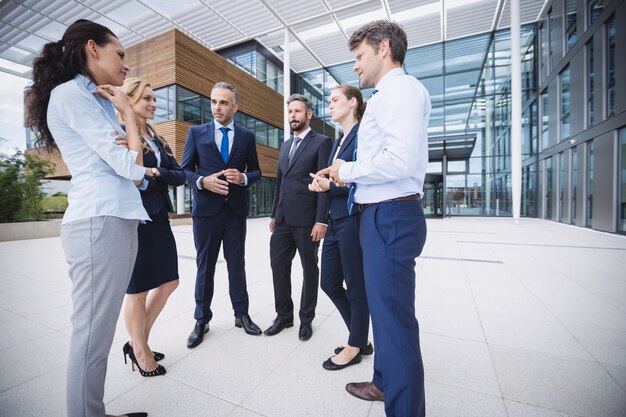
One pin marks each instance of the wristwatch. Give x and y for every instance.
(154, 172)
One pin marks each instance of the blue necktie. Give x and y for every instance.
(224, 147)
(352, 189)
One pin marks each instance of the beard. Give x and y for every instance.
(297, 125)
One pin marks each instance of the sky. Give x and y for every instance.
(12, 111)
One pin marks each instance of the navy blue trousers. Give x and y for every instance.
(392, 235)
(342, 260)
(208, 235)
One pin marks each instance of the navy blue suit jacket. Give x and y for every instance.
(338, 206)
(202, 157)
(293, 202)
(155, 195)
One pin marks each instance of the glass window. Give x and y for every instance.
(457, 166)
(261, 132)
(595, 10)
(570, 23)
(621, 222)
(165, 104)
(548, 188)
(207, 114)
(529, 207)
(545, 49)
(610, 67)
(574, 183)
(590, 80)
(590, 167)
(562, 183)
(188, 106)
(545, 122)
(565, 103)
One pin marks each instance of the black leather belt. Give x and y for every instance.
(412, 197)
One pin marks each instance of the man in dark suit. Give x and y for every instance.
(220, 163)
(298, 218)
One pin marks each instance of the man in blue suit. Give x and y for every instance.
(220, 163)
(298, 218)
(387, 180)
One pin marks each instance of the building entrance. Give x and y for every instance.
(432, 202)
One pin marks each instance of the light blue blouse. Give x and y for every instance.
(83, 126)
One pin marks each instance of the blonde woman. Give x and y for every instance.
(155, 275)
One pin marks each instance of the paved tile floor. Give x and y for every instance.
(517, 320)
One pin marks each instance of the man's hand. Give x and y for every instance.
(333, 172)
(319, 184)
(272, 225)
(214, 184)
(233, 176)
(318, 232)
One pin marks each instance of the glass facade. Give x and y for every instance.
(590, 81)
(621, 216)
(610, 67)
(589, 185)
(570, 23)
(179, 103)
(175, 102)
(260, 67)
(565, 103)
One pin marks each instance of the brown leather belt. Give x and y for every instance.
(412, 197)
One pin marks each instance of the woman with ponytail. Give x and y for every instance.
(342, 259)
(70, 107)
(155, 276)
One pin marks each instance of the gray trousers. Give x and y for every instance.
(101, 253)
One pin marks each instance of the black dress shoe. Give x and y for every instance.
(248, 325)
(278, 326)
(306, 331)
(197, 335)
(136, 414)
(367, 350)
(332, 366)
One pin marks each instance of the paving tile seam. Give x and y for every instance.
(541, 407)
(442, 258)
(33, 378)
(474, 391)
(37, 337)
(482, 327)
(545, 245)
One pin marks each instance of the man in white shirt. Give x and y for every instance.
(386, 180)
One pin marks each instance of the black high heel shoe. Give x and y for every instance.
(127, 348)
(160, 370)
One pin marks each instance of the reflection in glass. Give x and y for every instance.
(570, 23)
(548, 188)
(574, 183)
(590, 166)
(621, 222)
(590, 81)
(565, 103)
(610, 67)
(595, 10)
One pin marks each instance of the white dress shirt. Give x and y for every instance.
(392, 152)
(84, 126)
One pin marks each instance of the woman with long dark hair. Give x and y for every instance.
(70, 107)
(155, 276)
(342, 259)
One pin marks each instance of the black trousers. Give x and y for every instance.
(208, 235)
(283, 244)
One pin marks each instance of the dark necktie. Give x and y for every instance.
(294, 146)
(224, 146)
(350, 204)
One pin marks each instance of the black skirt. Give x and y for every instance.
(157, 259)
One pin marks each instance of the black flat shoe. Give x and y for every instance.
(332, 366)
(278, 326)
(160, 370)
(136, 414)
(367, 350)
(248, 325)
